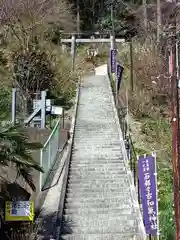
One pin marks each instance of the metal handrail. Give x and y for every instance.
(127, 138)
(49, 152)
(50, 136)
(131, 154)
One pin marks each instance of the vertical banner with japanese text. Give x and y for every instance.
(119, 72)
(148, 189)
(113, 60)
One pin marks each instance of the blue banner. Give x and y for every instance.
(113, 60)
(119, 72)
(148, 189)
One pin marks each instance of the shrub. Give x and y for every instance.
(149, 103)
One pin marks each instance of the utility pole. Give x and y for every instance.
(131, 65)
(73, 51)
(159, 24)
(145, 14)
(78, 17)
(112, 22)
(175, 124)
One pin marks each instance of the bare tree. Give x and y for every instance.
(34, 12)
(26, 22)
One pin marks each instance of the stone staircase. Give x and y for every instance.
(99, 202)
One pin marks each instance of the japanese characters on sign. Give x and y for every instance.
(119, 72)
(113, 60)
(19, 211)
(148, 190)
(20, 208)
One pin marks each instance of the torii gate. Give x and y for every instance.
(73, 40)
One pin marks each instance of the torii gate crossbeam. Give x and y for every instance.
(73, 40)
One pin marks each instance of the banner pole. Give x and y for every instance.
(116, 82)
(155, 163)
(138, 187)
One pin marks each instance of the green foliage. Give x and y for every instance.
(141, 151)
(5, 103)
(31, 59)
(54, 33)
(158, 130)
(15, 148)
(146, 106)
(167, 226)
(96, 15)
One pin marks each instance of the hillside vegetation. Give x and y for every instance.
(149, 119)
(31, 59)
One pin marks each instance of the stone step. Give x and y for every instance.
(107, 161)
(105, 180)
(98, 170)
(98, 154)
(96, 164)
(86, 153)
(125, 198)
(98, 180)
(86, 163)
(107, 141)
(92, 126)
(97, 206)
(84, 169)
(106, 122)
(107, 184)
(112, 136)
(87, 125)
(96, 134)
(104, 158)
(97, 218)
(98, 195)
(78, 154)
(93, 165)
(101, 126)
(97, 145)
(97, 190)
(114, 141)
(98, 150)
(90, 176)
(101, 236)
(84, 225)
(110, 142)
(89, 128)
(87, 211)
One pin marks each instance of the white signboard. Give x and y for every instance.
(55, 110)
(20, 209)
